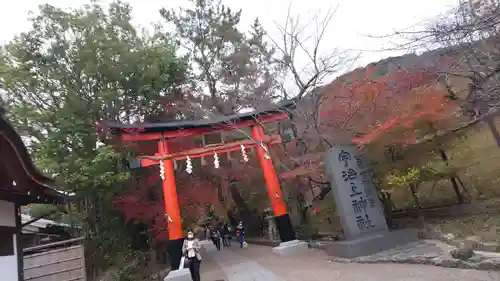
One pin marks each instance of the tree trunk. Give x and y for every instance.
(490, 120)
(453, 180)
(420, 214)
(415, 197)
(251, 223)
(388, 206)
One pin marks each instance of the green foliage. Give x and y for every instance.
(71, 70)
(75, 68)
(41, 210)
(306, 231)
(402, 179)
(420, 159)
(238, 69)
(122, 274)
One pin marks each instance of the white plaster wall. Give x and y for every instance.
(8, 264)
(7, 213)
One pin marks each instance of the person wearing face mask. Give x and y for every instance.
(240, 232)
(216, 237)
(191, 251)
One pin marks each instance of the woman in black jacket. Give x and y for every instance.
(216, 237)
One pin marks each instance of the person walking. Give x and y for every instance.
(191, 251)
(240, 233)
(216, 237)
(223, 236)
(207, 232)
(211, 234)
(226, 236)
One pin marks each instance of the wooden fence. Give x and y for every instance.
(55, 264)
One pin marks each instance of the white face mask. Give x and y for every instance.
(190, 236)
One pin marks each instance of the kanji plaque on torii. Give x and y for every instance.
(162, 132)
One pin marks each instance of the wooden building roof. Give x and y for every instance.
(20, 181)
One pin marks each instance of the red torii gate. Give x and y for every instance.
(162, 132)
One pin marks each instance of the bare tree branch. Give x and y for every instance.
(293, 44)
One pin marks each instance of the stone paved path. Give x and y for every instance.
(258, 263)
(210, 269)
(239, 268)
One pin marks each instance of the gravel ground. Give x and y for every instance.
(314, 266)
(429, 252)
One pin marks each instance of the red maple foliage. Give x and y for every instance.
(363, 104)
(351, 108)
(144, 202)
(426, 104)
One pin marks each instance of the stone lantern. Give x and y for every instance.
(272, 231)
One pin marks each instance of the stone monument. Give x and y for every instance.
(358, 207)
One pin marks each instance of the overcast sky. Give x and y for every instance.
(354, 19)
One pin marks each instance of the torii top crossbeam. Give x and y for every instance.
(186, 128)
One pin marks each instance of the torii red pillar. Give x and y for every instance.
(283, 221)
(172, 212)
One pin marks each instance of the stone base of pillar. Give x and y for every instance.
(371, 243)
(178, 275)
(174, 250)
(285, 228)
(290, 248)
